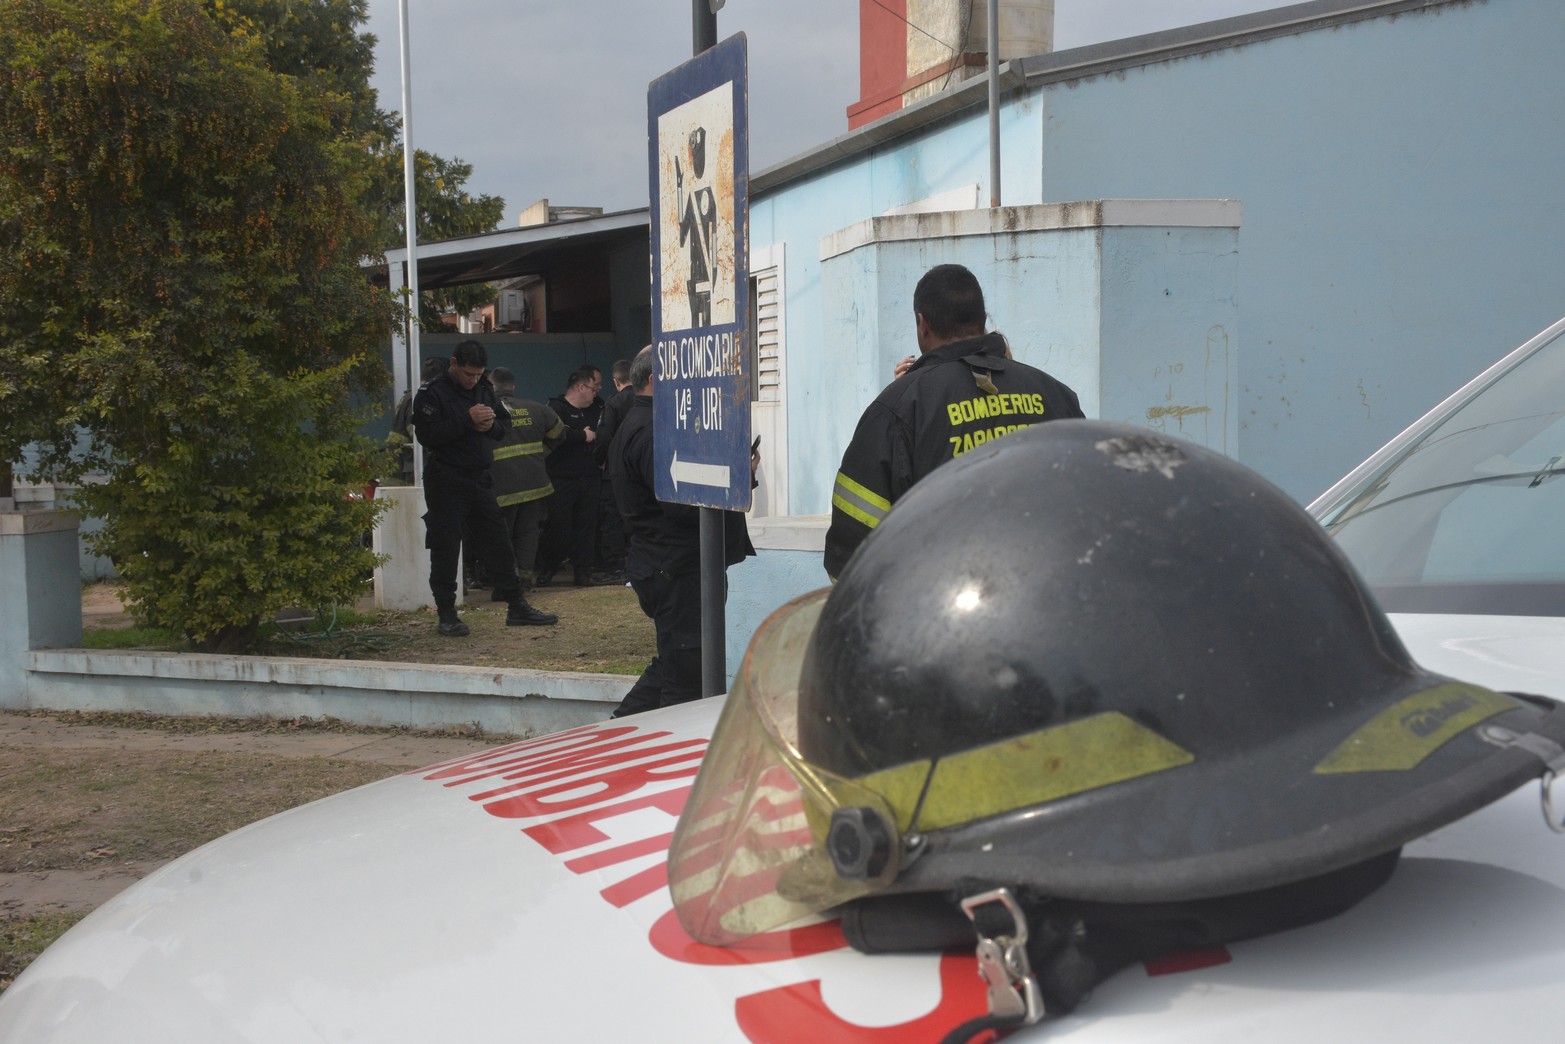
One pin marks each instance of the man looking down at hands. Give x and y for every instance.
(458, 420)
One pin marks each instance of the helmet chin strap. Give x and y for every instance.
(1041, 955)
(1002, 956)
(1007, 952)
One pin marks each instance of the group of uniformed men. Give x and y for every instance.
(963, 390)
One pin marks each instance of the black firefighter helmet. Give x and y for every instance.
(1091, 663)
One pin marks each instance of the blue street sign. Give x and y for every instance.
(699, 160)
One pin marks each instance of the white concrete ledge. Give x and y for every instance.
(502, 700)
(1038, 217)
(790, 532)
(26, 523)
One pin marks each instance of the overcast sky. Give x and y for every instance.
(549, 99)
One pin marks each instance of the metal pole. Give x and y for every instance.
(993, 10)
(703, 26)
(410, 216)
(714, 592)
(714, 584)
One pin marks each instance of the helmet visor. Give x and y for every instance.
(750, 852)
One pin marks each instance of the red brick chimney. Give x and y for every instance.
(910, 49)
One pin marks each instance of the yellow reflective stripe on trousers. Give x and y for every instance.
(521, 449)
(859, 502)
(525, 497)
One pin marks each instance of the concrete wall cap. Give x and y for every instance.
(27, 523)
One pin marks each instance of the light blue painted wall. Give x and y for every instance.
(1398, 177)
(1170, 332)
(757, 587)
(1134, 315)
(827, 388)
(1400, 181)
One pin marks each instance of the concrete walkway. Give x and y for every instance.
(78, 891)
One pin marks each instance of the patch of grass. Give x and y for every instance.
(22, 939)
(601, 631)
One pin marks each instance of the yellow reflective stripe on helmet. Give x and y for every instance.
(521, 449)
(1044, 766)
(901, 786)
(859, 502)
(1410, 730)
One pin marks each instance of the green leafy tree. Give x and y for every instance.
(319, 42)
(182, 307)
(445, 211)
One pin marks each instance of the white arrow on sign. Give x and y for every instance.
(698, 474)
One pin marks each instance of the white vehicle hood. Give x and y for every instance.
(520, 894)
(1508, 653)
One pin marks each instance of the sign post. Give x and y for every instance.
(698, 145)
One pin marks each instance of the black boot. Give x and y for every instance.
(522, 614)
(451, 625)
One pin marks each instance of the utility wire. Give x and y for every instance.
(903, 18)
(957, 48)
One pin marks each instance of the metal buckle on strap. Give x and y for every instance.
(1545, 750)
(1548, 804)
(1002, 960)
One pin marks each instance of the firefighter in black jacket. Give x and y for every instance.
(571, 528)
(963, 391)
(458, 421)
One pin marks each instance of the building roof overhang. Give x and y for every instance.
(527, 251)
(511, 252)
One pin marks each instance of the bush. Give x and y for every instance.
(184, 318)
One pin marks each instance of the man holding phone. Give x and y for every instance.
(458, 420)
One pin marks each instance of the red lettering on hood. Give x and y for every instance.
(597, 773)
(637, 886)
(577, 831)
(799, 1012)
(577, 793)
(671, 940)
(494, 762)
(619, 854)
(1190, 960)
(546, 769)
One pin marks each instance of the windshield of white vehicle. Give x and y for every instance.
(1471, 517)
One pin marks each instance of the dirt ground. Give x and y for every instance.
(91, 803)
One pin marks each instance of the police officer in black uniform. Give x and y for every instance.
(963, 391)
(663, 555)
(458, 420)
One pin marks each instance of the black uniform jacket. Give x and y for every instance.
(572, 458)
(442, 425)
(613, 416)
(954, 398)
(660, 537)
